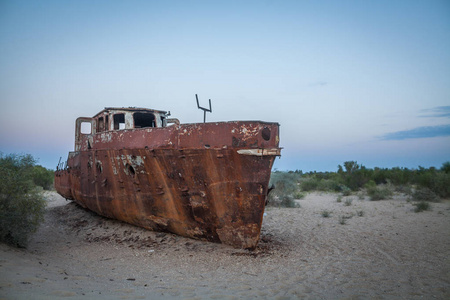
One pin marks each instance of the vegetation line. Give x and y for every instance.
(379, 183)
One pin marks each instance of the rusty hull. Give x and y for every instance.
(205, 181)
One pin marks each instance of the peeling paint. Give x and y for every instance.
(105, 137)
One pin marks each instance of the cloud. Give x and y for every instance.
(439, 112)
(318, 83)
(417, 133)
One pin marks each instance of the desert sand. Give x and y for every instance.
(390, 252)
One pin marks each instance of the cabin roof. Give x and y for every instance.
(132, 109)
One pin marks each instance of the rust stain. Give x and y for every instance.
(204, 180)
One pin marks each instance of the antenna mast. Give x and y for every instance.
(204, 109)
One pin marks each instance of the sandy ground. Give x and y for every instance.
(390, 252)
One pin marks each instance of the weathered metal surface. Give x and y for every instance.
(205, 181)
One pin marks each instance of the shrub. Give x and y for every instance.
(446, 167)
(379, 192)
(287, 201)
(342, 220)
(345, 190)
(285, 188)
(404, 189)
(326, 213)
(299, 195)
(398, 176)
(339, 199)
(425, 177)
(317, 183)
(284, 183)
(422, 206)
(360, 213)
(370, 184)
(43, 177)
(309, 184)
(328, 185)
(441, 185)
(348, 202)
(355, 176)
(21, 205)
(425, 194)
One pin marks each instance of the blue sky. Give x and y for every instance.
(347, 80)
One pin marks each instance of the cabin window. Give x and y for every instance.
(119, 121)
(142, 120)
(86, 128)
(101, 124)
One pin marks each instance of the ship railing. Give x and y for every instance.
(62, 165)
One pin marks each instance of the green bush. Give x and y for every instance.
(396, 176)
(425, 194)
(326, 213)
(370, 184)
(425, 177)
(284, 183)
(285, 188)
(343, 220)
(317, 183)
(379, 192)
(345, 190)
(299, 195)
(21, 204)
(309, 184)
(441, 185)
(43, 177)
(404, 189)
(288, 201)
(329, 185)
(422, 206)
(355, 176)
(437, 181)
(446, 167)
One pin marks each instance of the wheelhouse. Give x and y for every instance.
(114, 119)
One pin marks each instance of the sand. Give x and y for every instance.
(390, 252)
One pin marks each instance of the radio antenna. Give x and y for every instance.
(204, 109)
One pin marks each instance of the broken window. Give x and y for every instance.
(142, 120)
(119, 121)
(86, 128)
(100, 124)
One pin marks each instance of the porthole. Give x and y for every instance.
(266, 133)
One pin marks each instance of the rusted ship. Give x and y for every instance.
(203, 180)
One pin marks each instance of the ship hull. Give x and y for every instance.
(211, 193)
